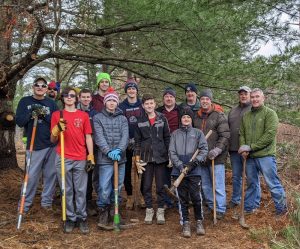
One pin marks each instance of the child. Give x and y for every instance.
(111, 136)
(77, 140)
(184, 142)
(152, 138)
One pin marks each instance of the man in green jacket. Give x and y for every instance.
(258, 143)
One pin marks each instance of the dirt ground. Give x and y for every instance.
(44, 230)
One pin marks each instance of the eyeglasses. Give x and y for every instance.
(40, 85)
(71, 95)
(52, 89)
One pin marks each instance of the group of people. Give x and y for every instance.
(161, 141)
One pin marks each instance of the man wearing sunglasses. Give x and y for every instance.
(43, 154)
(53, 93)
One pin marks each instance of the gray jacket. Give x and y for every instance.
(234, 120)
(184, 142)
(110, 132)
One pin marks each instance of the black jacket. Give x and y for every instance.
(152, 142)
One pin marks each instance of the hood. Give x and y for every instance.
(127, 104)
(214, 108)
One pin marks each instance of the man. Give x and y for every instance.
(53, 93)
(234, 120)
(111, 136)
(132, 110)
(85, 98)
(103, 82)
(191, 97)
(172, 112)
(258, 144)
(77, 142)
(43, 154)
(211, 117)
(152, 138)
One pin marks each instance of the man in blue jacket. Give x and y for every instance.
(43, 154)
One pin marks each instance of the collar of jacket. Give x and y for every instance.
(186, 128)
(162, 108)
(257, 109)
(117, 112)
(244, 105)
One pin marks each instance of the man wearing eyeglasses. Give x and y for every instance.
(43, 154)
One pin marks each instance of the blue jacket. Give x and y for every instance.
(110, 132)
(184, 142)
(23, 119)
(132, 112)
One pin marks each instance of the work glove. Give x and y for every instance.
(90, 163)
(131, 144)
(212, 154)
(188, 167)
(140, 166)
(170, 165)
(38, 111)
(244, 148)
(61, 126)
(115, 154)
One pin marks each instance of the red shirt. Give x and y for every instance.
(152, 120)
(173, 119)
(78, 125)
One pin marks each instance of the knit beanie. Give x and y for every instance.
(102, 76)
(131, 83)
(171, 91)
(111, 94)
(206, 93)
(191, 87)
(186, 111)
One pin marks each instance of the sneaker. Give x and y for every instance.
(69, 226)
(186, 230)
(129, 203)
(232, 205)
(149, 216)
(199, 228)
(83, 226)
(160, 216)
(220, 216)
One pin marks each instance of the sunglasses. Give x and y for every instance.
(40, 85)
(52, 89)
(71, 95)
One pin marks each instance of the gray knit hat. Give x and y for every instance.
(206, 93)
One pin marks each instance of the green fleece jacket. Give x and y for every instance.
(258, 129)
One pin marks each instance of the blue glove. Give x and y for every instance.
(110, 155)
(115, 155)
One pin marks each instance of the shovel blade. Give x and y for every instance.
(243, 223)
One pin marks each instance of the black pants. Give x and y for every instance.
(190, 187)
(157, 170)
(128, 166)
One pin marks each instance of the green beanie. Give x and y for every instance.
(102, 76)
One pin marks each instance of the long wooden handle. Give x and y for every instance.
(63, 176)
(214, 189)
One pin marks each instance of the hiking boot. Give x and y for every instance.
(129, 203)
(149, 216)
(90, 208)
(232, 205)
(103, 217)
(69, 226)
(160, 216)
(249, 212)
(83, 226)
(142, 202)
(199, 228)
(186, 229)
(220, 216)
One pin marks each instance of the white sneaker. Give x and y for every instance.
(160, 216)
(149, 216)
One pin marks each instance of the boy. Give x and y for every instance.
(152, 138)
(184, 142)
(77, 140)
(111, 137)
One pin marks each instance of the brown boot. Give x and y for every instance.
(129, 203)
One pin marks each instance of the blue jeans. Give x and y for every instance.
(206, 176)
(267, 166)
(106, 184)
(237, 170)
